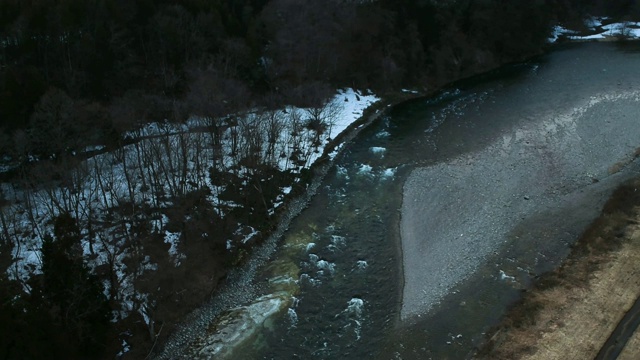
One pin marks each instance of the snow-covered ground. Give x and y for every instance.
(630, 30)
(164, 162)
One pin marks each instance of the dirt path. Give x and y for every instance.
(570, 313)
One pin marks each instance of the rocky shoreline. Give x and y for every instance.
(199, 336)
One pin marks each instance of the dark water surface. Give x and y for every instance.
(351, 278)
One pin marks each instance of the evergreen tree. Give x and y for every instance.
(74, 297)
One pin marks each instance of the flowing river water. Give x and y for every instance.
(437, 216)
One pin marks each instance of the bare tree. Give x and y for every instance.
(4, 207)
(274, 127)
(321, 118)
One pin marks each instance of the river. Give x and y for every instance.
(433, 221)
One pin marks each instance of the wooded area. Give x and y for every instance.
(79, 79)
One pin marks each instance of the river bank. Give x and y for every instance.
(459, 211)
(570, 312)
(509, 197)
(202, 335)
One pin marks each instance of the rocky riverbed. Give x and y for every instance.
(552, 170)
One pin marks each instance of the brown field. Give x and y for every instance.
(570, 312)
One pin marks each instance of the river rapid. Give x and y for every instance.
(434, 219)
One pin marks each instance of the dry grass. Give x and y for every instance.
(579, 320)
(570, 313)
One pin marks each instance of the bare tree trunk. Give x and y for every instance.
(3, 220)
(98, 174)
(184, 146)
(121, 155)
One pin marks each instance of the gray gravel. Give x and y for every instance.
(458, 212)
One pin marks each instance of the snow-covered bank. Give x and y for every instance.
(597, 31)
(241, 291)
(111, 194)
(164, 139)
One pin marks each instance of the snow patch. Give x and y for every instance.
(560, 31)
(627, 29)
(125, 349)
(249, 236)
(94, 148)
(174, 240)
(352, 109)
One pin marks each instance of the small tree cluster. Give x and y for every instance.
(65, 314)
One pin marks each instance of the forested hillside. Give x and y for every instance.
(241, 89)
(97, 58)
